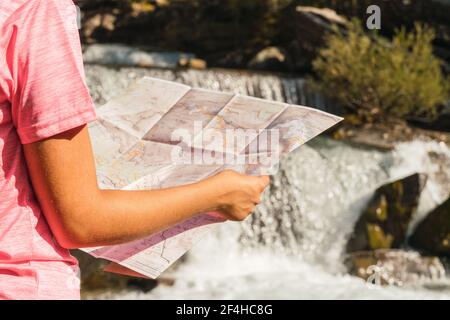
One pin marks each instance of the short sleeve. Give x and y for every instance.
(50, 93)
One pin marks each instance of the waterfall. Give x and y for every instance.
(298, 235)
(308, 211)
(293, 246)
(315, 200)
(105, 83)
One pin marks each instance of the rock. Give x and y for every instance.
(104, 22)
(197, 64)
(395, 267)
(440, 123)
(323, 16)
(88, 264)
(94, 280)
(384, 223)
(271, 59)
(92, 276)
(303, 31)
(433, 234)
(210, 29)
(193, 63)
(118, 54)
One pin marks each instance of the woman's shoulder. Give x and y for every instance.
(7, 8)
(16, 9)
(11, 8)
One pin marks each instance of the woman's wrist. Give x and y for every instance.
(214, 190)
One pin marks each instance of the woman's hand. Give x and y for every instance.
(237, 194)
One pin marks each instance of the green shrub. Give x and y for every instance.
(375, 77)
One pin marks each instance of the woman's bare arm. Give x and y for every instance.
(62, 171)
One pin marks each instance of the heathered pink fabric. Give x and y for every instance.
(42, 93)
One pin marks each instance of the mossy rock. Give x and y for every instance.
(384, 223)
(433, 233)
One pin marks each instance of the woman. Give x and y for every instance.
(49, 199)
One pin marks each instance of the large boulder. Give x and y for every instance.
(433, 233)
(395, 267)
(303, 31)
(384, 223)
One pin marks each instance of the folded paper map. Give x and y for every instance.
(161, 134)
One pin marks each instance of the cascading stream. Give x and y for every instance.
(294, 245)
(106, 83)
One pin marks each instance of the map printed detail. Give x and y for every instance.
(162, 134)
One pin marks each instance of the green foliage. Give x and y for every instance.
(374, 77)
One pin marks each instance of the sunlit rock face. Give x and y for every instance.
(384, 223)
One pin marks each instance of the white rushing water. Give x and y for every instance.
(293, 247)
(331, 181)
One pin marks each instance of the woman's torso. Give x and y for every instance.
(32, 264)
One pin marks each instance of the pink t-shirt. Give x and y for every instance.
(42, 93)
